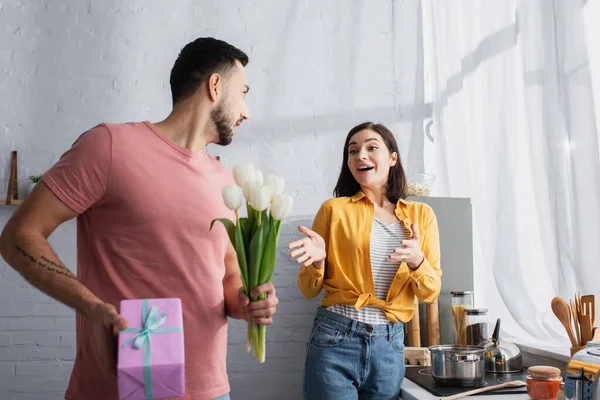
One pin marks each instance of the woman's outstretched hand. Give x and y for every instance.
(309, 250)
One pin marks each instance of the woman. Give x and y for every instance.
(372, 252)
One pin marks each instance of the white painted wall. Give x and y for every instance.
(317, 69)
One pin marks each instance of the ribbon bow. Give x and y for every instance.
(151, 323)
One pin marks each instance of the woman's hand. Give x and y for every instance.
(411, 252)
(312, 249)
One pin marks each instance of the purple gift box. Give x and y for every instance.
(151, 361)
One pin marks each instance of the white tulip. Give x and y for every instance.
(243, 173)
(275, 186)
(247, 187)
(259, 198)
(258, 176)
(282, 206)
(232, 195)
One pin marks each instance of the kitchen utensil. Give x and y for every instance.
(458, 365)
(561, 310)
(578, 305)
(585, 320)
(588, 304)
(575, 321)
(502, 356)
(593, 309)
(511, 384)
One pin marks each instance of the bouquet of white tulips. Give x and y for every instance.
(255, 237)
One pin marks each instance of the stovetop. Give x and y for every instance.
(422, 377)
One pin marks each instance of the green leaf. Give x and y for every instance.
(229, 226)
(249, 210)
(257, 246)
(240, 249)
(269, 255)
(246, 232)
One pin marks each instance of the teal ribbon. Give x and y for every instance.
(151, 323)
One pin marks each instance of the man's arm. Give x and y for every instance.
(24, 245)
(233, 289)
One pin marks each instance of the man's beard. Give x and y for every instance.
(222, 125)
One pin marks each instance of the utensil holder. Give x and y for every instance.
(576, 349)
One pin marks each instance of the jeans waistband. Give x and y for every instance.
(355, 327)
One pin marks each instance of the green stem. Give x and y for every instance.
(261, 345)
(249, 336)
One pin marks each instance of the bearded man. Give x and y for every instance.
(144, 195)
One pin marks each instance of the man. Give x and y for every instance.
(144, 195)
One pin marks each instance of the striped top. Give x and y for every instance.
(384, 239)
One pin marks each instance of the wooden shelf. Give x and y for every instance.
(13, 203)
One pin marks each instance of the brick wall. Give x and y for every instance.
(317, 69)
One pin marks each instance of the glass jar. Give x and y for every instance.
(560, 395)
(543, 383)
(476, 326)
(461, 300)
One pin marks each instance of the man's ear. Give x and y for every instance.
(215, 87)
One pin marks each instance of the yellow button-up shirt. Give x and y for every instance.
(345, 225)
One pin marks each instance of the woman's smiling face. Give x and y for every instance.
(369, 159)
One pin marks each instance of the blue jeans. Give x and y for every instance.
(348, 360)
(224, 397)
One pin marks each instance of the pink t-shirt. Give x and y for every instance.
(145, 205)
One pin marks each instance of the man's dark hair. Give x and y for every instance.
(198, 60)
(395, 188)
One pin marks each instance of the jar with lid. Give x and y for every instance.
(461, 300)
(476, 326)
(543, 383)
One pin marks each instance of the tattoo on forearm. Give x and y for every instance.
(47, 264)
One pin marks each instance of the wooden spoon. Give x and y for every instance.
(562, 312)
(511, 384)
(573, 314)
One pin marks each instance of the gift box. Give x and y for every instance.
(151, 362)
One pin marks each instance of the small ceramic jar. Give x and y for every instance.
(543, 382)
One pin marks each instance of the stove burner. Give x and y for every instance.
(422, 377)
(427, 372)
(505, 379)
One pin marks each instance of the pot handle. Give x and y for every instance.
(465, 357)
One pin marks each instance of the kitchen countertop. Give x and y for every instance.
(534, 355)
(412, 391)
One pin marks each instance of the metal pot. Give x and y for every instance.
(502, 356)
(458, 365)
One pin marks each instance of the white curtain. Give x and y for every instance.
(514, 129)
